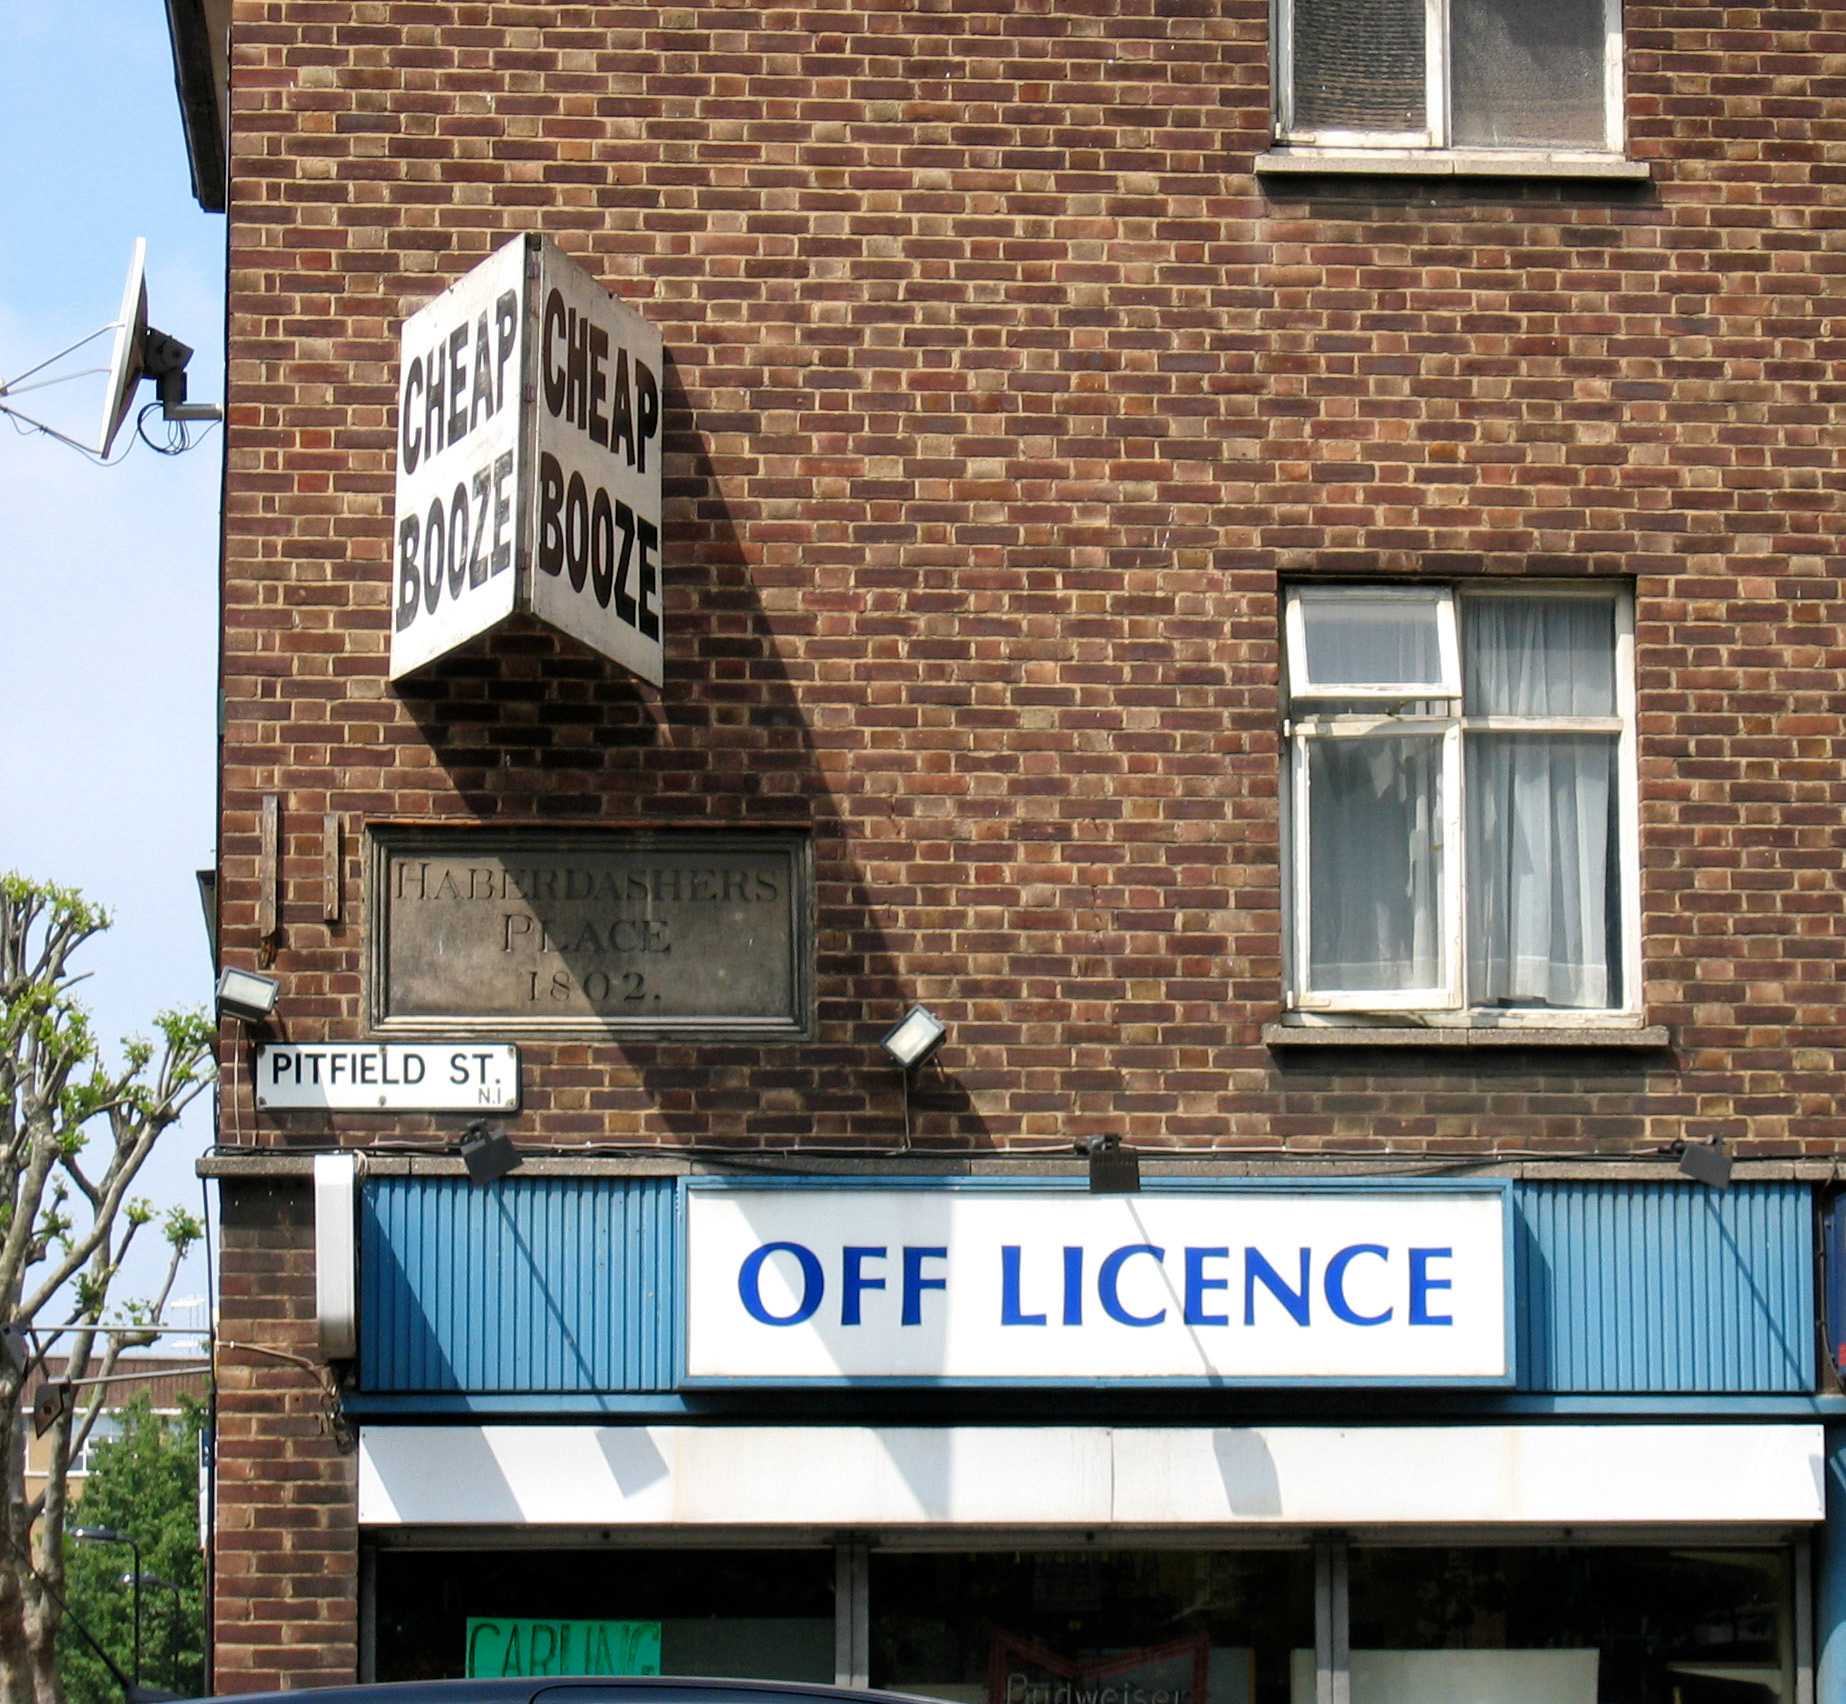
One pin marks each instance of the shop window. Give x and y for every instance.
(1451, 74)
(1577, 1626)
(746, 1614)
(1091, 1627)
(1461, 827)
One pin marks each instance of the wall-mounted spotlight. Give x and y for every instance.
(915, 1039)
(1708, 1163)
(487, 1152)
(247, 994)
(1114, 1169)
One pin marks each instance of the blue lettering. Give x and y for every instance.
(915, 1283)
(1073, 1286)
(1257, 1270)
(1336, 1283)
(1421, 1284)
(1197, 1284)
(853, 1281)
(1009, 1289)
(750, 1279)
(1109, 1277)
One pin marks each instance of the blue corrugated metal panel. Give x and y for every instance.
(1665, 1287)
(542, 1285)
(554, 1286)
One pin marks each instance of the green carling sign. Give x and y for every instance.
(500, 1646)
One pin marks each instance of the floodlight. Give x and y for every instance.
(1706, 1163)
(487, 1152)
(1114, 1169)
(915, 1039)
(247, 994)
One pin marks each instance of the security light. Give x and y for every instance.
(247, 994)
(487, 1152)
(1706, 1163)
(1114, 1170)
(915, 1039)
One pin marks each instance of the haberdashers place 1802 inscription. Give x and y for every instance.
(528, 463)
(537, 931)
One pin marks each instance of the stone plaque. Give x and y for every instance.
(510, 931)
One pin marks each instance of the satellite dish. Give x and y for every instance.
(125, 360)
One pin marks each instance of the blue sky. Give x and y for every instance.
(108, 579)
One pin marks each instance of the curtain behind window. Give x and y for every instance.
(1542, 904)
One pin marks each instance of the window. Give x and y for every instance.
(1690, 1624)
(1451, 74)
(1461, 822)
(106, 1430)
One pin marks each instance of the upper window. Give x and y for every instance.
(1461, 819)
(1536, 75)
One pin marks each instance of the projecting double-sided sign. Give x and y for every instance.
(528, 463)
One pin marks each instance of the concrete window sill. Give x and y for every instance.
(1643, 1038)
(1448, 163)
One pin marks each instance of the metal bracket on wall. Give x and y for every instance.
(332, 862)
(269, 880)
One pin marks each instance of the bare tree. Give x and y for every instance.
(74, 1132)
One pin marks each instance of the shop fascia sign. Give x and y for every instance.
(391, 1076)
(529, 406)
(1247, 1283)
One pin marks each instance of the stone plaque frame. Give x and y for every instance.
(487, 937)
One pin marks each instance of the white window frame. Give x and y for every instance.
(1446, 1003)
(1436, 134)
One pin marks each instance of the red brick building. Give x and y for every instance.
(1278, 569)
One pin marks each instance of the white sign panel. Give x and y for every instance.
(459, 467)
(1253, 1284)
(388, 1077)
(529, 463)
(597, 464)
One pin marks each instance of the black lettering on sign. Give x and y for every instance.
(599, 384)
(624, 598)
(576, 531)
(409, 583)
(483, 398)
(432, 402)
(432, 556)
(602, 548)
(550, 513)
(554, 364)
(477, 554)
(647, 411)
(506, 331)
(648, 614)
(503, 512)
(458, 382)
(623, 432)
(407, 414)
(458, 540)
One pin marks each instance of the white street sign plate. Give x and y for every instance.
(391, 1076)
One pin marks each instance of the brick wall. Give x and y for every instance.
(285, 1557)
(1001, 397)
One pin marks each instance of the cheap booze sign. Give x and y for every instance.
(528, 463)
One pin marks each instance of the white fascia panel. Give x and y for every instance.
(1613, 1475)
(1096, 1477)
(336, 1254)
